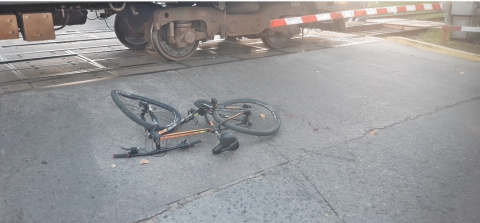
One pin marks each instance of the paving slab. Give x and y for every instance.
(417, 170)
(36, 69)
(15, 87)
(281, 194)
(7, 75)
(73, 79)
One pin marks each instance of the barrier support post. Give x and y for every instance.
(445, 33)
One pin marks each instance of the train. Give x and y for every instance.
(172, 29)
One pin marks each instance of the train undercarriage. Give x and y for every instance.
(173, 30)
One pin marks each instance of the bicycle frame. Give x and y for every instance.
(191, 116)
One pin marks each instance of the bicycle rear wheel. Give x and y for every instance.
(133, 106)
(259, 119)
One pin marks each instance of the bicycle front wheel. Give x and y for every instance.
(145, 111)
(257, 118)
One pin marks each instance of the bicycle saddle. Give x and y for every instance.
(228, 142)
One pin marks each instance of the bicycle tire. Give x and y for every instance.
(263, 120)
(169, 114)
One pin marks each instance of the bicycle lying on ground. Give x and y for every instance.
(160, 121)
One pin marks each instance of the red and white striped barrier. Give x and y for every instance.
(352, 14)
(458, 28)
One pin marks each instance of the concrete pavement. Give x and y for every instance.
(371, 132)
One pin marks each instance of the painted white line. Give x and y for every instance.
(86, 59)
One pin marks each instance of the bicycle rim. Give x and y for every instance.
(129, 104)
(261, 119)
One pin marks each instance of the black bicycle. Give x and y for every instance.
(160, 121)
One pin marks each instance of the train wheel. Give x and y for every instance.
(129, 30)
(169, 50)
(277, 40)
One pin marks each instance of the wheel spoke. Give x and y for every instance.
(141, 110)
(260, 118)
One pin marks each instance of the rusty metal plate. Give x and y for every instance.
(8, 27)
(38, 26)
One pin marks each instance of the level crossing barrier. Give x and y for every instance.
(445, 30)
(353, 13)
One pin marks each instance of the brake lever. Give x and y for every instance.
(214, 103)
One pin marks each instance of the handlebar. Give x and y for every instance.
(184, 144)
(126, 155)
(194, 142)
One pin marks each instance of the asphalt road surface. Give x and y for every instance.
(371, 132)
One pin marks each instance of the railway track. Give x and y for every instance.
(76, 57)
(90, 55)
